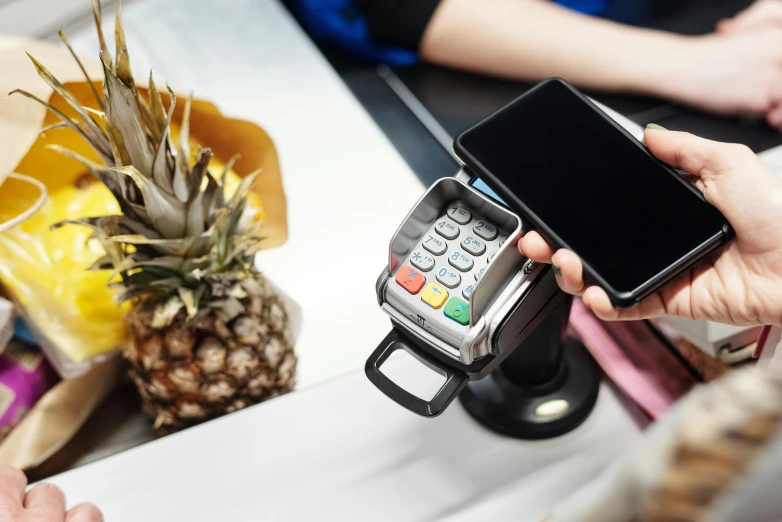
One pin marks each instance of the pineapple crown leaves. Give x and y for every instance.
(178, 227)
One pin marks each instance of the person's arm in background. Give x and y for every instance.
(534, 39)
(530, 40)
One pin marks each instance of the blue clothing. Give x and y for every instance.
(341, 23)
(592, 7)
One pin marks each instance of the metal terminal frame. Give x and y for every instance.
(496, 295)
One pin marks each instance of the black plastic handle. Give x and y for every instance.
(455, 380)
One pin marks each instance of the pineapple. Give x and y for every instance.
(208, 334)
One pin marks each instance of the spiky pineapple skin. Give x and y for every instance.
(195, 370)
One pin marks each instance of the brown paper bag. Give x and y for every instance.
(22, 150)
(58, 415)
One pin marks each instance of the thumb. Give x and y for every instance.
(730, 176)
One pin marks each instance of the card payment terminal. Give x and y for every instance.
(462, 299)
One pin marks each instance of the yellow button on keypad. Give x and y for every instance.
(434, 295)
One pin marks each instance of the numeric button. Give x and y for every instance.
(447, 229)
(460, 261)
(434, 245)
(479, 274)
(486, 230)
(473, 245)
(459, 214)
(422, 261)
(449, 278)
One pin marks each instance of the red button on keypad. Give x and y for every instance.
(410, 279)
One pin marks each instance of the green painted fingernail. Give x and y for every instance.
(555, 268)
(654, 126)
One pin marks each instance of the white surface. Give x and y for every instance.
(343, 451)
(37, 18)
(347, 187)
(713, 338)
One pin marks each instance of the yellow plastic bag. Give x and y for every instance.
(46, 272)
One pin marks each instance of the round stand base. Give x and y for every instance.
(540, 411)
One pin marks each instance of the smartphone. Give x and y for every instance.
(586, 184)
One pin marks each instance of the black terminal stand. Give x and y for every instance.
(540, 385)
(545, 388)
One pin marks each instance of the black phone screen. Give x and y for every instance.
(627, 215)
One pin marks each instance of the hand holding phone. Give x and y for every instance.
(586, 185)
(743, 284)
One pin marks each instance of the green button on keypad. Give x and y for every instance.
(458, 310)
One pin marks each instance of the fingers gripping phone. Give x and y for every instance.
(585, 184)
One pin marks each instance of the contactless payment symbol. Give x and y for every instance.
(410, 279)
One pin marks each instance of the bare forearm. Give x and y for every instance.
(533, 39)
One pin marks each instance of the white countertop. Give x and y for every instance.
(336, 448)
(343, 451)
